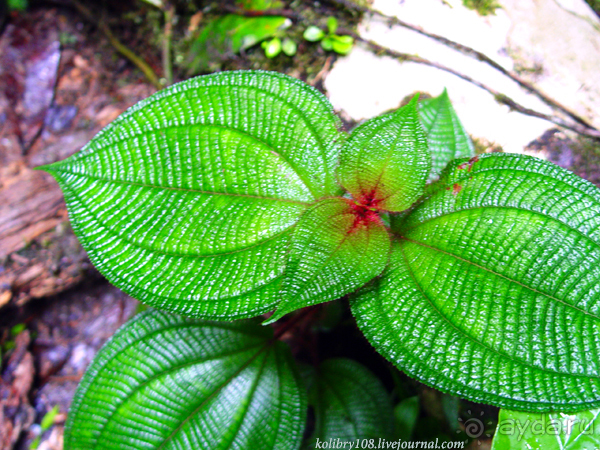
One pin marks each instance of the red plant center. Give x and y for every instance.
(365, 211)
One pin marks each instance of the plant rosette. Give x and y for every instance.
(232, 195)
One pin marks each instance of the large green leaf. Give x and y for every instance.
(550, 431)
(337, 247)
(493, 289)
(385, 163)
(350, 403)
(166, 382)
(186, 201)
(446, 137)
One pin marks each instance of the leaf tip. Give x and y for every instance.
(46, 168)
(413, 101)
(274, 318)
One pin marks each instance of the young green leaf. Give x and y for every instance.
(272, 48)
(337, 247)
(49, 417)
(187, 200)
(493, 288)
(446, 137)
(165, 381)
(350, 403)
(289, 47)
(385, 162)
(332, 24)
(550, 431)
(327, 43)
(313, 34)
(342, 44)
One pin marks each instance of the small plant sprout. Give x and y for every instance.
(330, 41)
(275, 46)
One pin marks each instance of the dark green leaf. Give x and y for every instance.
(187, 200)
(164, 381)
(406, 413)
(350, 403)
(17, 5)
(550, 431)
(450, 406)
(336, 248)
(446, 136)
(493, 289)
(385, 162)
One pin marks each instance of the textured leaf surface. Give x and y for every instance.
(385, 162)
(446, 137)
(166, 382)
(493, 289)
(337, 247)
(551, 431)
(187, 200)
(350, 403)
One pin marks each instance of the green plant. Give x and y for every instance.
(330, 41)
(46, 423)
(225, 35)
(235, 194)
(275, 46)
(17, 5)
(14, 332)
(483, 7)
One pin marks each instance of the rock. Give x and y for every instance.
(539, 55)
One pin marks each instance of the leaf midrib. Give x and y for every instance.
(219, 388)
(173, 188)
(166, 372)
(477, 342)
(329, 257)
(516, 208)
(499, 275)
(322, 147)
(93, 254)
(475, 395)
(173, 254)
